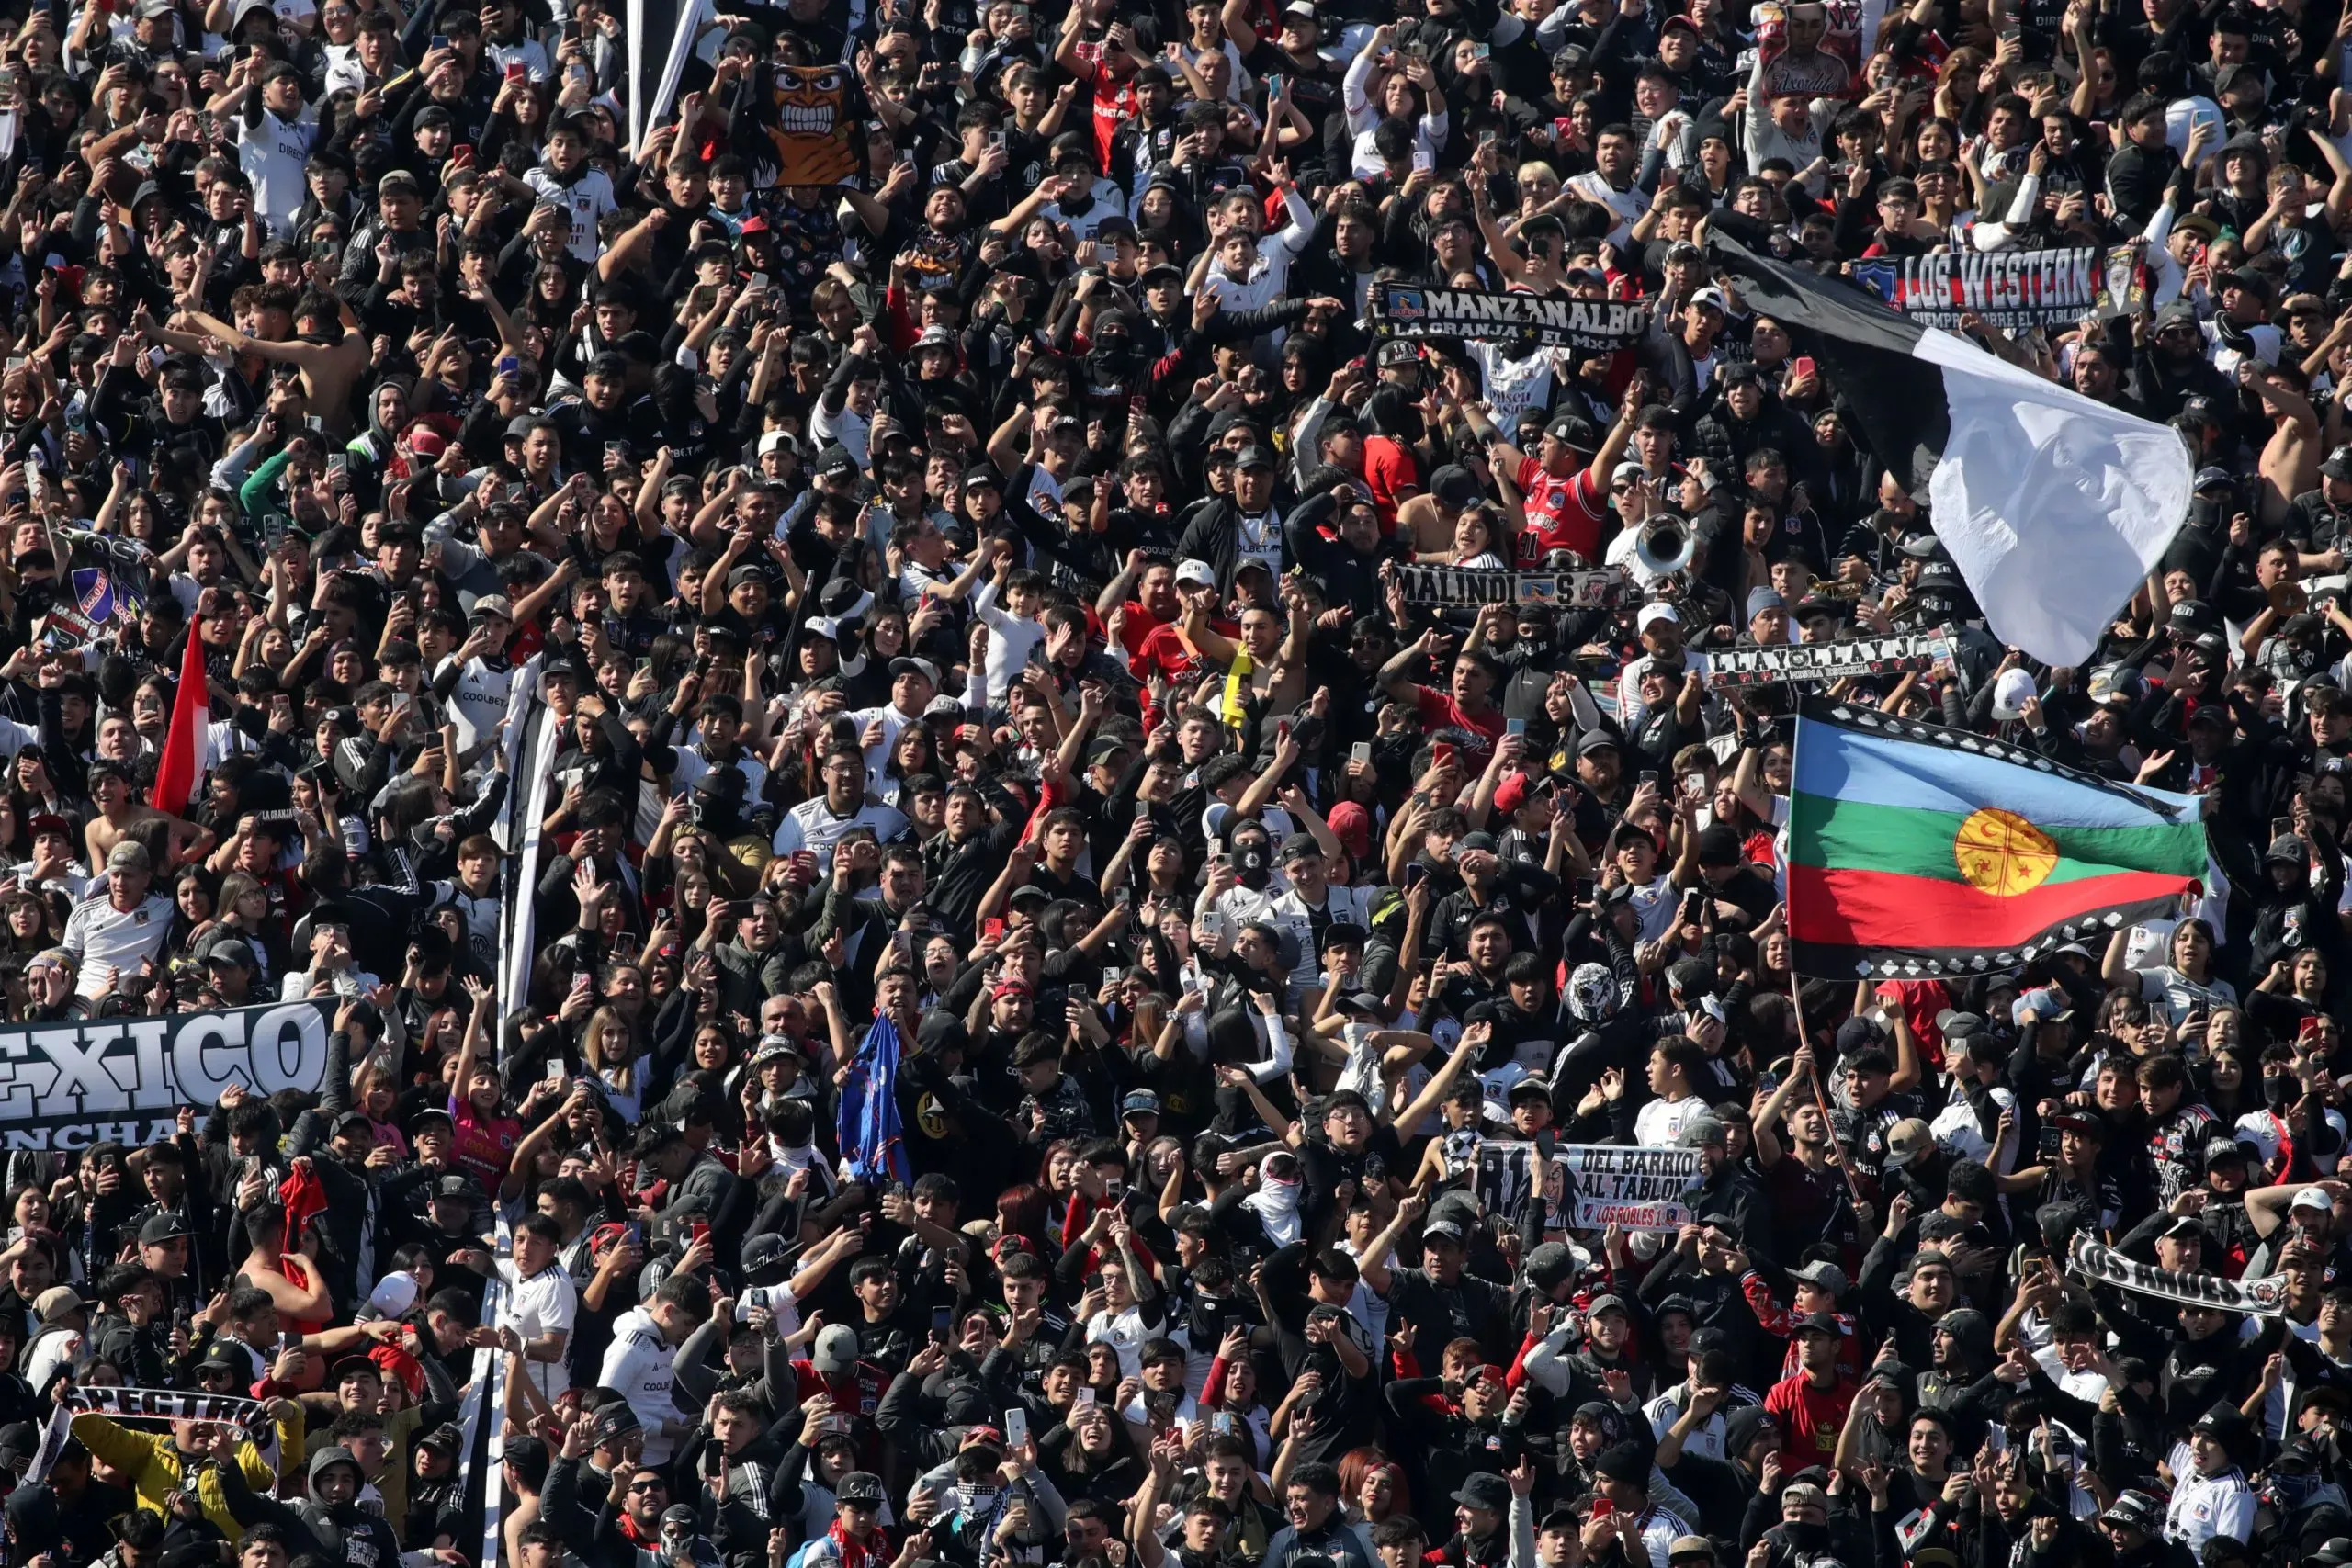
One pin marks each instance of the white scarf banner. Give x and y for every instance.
(2265, 1297)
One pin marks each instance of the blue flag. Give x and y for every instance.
(868, 1128)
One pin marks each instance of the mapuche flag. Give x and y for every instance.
(1916, 851)
(2054, 508)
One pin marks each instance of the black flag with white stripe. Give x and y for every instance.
(2055, 507)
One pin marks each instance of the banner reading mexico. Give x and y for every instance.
(2010, 288)
(1543, 321)
(67, 1085)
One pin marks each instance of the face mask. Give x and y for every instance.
(2278, 1093)
(2288, 1491)
(976, 1499)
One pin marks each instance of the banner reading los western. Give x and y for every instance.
(1408, 310)
(2010, 288)
(67, 1086)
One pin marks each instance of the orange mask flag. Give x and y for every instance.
(817, 124)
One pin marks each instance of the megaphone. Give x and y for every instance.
(1664, 545)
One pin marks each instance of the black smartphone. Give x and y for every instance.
(943, 1320)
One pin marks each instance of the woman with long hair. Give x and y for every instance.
(608, 1054)
(2186, 985)
(1373, 1488)
(1021, 1211)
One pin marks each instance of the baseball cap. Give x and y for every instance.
(1822, 1274)
(835, 1352)
(1906, 1141)
(2040, 1006)
(1571, 430)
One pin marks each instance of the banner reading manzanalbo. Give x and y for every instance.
(1414, 311)
(67, 1085)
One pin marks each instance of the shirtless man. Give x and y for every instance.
(120, 810)
(331, 362)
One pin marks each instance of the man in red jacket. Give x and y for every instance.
(1810, 1407)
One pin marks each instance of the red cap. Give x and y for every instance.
(1353, 824)
(1512, 793)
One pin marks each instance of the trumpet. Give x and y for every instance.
(1664, 545)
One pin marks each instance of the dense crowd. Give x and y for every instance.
(932, 952)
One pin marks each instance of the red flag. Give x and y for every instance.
(184, 743)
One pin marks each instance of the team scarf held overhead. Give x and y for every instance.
(147, 1404)
(1527, 320)
(2265, 1297)
(2011, 289)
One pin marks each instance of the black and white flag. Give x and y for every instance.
(2054, 508)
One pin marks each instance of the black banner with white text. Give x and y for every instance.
(1411, 311)
(67, 1086)
(1476, 585)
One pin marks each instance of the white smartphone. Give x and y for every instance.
(1017, 1425)
(1085, 1399)
(1361, 753)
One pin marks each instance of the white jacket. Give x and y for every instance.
(637, 1367)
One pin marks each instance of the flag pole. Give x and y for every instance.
(1821, 1101)
(1796, 993)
